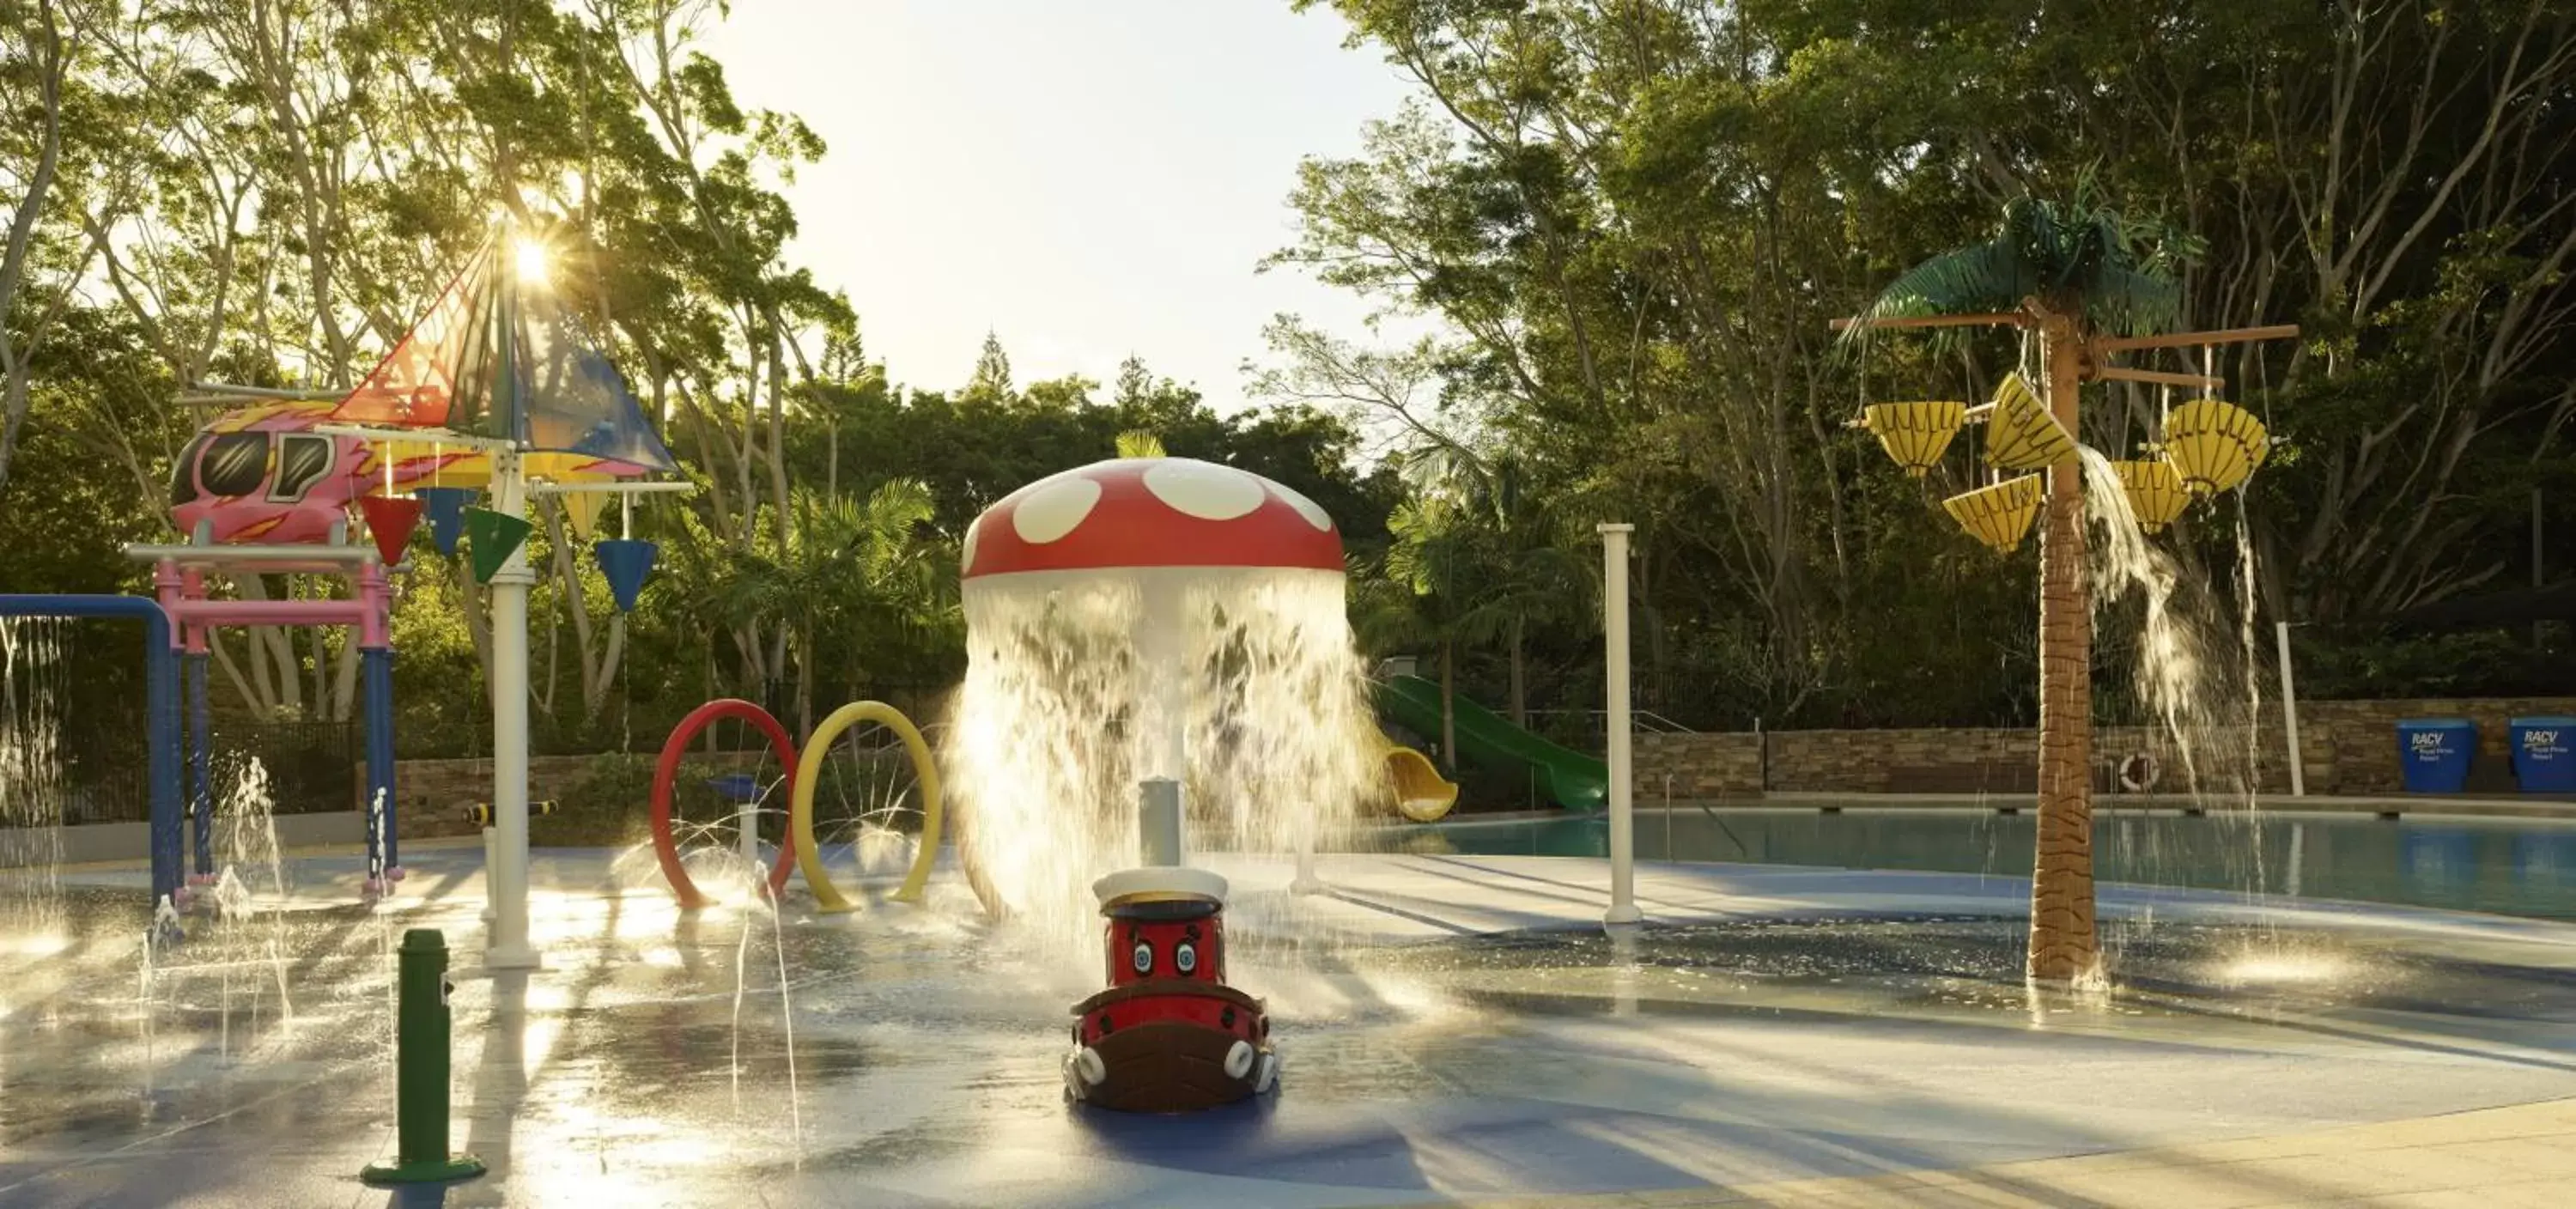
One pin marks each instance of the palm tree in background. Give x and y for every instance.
(1533, 576)
(858, 570)
(1434, 589)
(2072, 272)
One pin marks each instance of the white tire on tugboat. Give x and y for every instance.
(1238, 1060)
(1269, 1076)
(1087, 1064)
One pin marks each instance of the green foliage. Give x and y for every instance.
(2077, 258)
(2491, 662)
(1634, 222)
(609, 805)
(274, 205)
(1629, 224)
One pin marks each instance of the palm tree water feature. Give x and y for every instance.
(1167, 637)
(2088, 285)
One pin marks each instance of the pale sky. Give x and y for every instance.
(1085, 178)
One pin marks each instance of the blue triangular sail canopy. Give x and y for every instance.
(571, 399)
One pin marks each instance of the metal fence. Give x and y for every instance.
(311, 766)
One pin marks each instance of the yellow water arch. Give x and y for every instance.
(809, 770)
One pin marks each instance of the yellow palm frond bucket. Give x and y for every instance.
(1999, 515)
(2213, 445)
(2155, 492)
(1915, 434)
(2020, 434)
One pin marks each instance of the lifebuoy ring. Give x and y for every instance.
(2138, 773)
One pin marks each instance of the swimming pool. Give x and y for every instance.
(2507, 866)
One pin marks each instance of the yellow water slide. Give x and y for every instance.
(1421, 793)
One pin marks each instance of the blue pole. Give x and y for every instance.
(161, 707)
(376, 667)
(162, 701)
(196, 667)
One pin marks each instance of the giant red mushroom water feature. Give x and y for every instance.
(1154, 638)
(1172, 524)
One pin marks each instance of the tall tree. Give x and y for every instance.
(33, 77)
(991, 381)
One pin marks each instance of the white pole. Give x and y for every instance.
(506, 881)
(2290, 711)
(1614, 629)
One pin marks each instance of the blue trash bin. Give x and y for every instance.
(2544, 754)
(2435, 753)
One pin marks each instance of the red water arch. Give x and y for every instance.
(666, 774)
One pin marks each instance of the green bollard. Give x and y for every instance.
(420, 1071)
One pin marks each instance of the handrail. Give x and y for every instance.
(1640, 720)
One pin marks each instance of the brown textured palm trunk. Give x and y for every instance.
(2062, 946)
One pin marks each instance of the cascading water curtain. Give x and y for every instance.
(32, 680)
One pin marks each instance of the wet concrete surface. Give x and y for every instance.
(907, 1056)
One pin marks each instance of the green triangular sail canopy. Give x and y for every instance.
(490, 538)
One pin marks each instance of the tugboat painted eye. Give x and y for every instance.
(1144, 957)
(1186, 958)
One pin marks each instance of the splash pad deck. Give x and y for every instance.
(1456, 1028)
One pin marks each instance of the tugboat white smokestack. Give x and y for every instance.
(1158, 821)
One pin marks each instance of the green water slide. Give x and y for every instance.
(1570, 778)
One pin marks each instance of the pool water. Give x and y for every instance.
(2506, 866)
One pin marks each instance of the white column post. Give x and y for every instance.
(2290, 711)
(1614, 629)
(506, 882)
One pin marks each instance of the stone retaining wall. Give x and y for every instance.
(2346, 747)
(2357, 740)
(431, 795)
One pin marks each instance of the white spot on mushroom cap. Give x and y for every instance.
(1208, 492)
(1052, 510)
(1312, 511)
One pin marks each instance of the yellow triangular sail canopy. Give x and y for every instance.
(581, 509)
(2155, 492)
(1999, 515)
(1915, 434)
(2020, 434)
(2213, 445)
